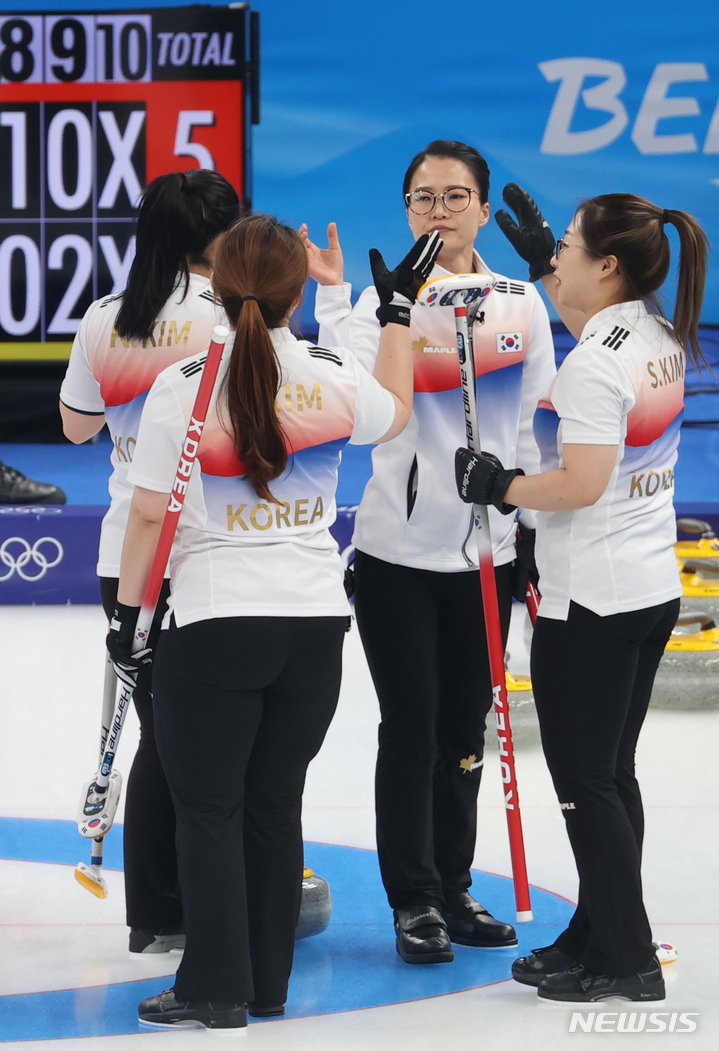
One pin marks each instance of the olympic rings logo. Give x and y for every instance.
(19, 563)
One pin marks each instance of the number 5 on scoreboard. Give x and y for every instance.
(184, 147)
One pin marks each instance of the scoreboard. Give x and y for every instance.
(93, 106)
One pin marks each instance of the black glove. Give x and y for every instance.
(397, 289)
(481, 479)
(532, 239)
(524, 568)
(119, 645)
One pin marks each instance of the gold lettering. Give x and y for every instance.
(236, 516)
(665, 370)
(131, 443)
(678, 361)
(152, 336)
(162, 333)
(282, 515)
(253, 516)
(114, 338)
(636, 484)
(288, 397)
(652, 373)
(183, 334)
(668, 476)
(318, 511)
(117, 439)
(302, 394)
(650, 476)
(299, 510)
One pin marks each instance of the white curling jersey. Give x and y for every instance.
(236, 555)
(410, 513)
(110, 375)
(623, 384)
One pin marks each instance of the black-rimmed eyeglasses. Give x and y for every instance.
(455, 199)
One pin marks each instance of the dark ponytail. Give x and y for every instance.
(261, 259)
(690, 286)
(632, 229)
(180, 215)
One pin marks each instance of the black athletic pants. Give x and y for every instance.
(241, 707)
(151, 891)
(592, 679)
(423, 633)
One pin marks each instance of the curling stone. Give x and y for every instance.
(699, 567)
(316, 907)
(665, 953)
(522, 711)
(688, 673)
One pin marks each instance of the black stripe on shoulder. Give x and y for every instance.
(500, 286)
(209, 295)
(517, 289)
(192, 367)
(110, 299)
(320, 352)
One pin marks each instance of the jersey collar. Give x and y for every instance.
(631, 311)
(282, 336)
(480, 267)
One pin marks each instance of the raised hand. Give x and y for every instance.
(397, 289)
(532, 238)
(326, 264)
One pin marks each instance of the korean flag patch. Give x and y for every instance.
(509, 342)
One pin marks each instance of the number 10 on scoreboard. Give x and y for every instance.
(93, 106)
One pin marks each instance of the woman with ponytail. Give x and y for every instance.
(166, 313)
(248, 671)
(608, 429)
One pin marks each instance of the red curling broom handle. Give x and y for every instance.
(495, 645)
(532, 600)
(220, 334)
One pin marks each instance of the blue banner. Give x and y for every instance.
(568, 99)
(48, 555)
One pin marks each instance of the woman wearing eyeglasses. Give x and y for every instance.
(417, 596)
(608, 429)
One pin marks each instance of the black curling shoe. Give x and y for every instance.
(422, 935)
(580, 986)
(469, 923)
(165, 1010)
(17, 488)
(531, 970)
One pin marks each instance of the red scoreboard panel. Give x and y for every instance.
(93, 106)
